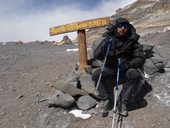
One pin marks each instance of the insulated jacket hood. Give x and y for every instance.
(111, 29)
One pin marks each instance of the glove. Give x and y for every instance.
(108, 44)
(123, 66)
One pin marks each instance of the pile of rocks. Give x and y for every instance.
(78, 91)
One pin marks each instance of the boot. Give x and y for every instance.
(123, 109)
(108, 105)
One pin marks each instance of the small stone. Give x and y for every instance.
(21, 114)
(168, 118)
(3, 113)
(42, 100)
(153, 125)
(23, 109)
(20, 96)
(47, 83)
(14, 90)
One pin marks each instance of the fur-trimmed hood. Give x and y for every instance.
(110, 31)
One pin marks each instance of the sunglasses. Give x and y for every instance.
(122, 25)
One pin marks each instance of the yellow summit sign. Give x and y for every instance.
(79, 25)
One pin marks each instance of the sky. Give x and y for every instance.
(30, 20)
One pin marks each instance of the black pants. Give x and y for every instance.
(131, 77)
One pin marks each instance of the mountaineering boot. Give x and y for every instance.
(108, 105)
(123, 109)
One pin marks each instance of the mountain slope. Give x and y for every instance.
(148, 16)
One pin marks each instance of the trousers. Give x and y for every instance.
(129, 78)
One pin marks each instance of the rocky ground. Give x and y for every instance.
(27, 72)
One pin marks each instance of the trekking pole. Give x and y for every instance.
(116, 92)
(107, 53)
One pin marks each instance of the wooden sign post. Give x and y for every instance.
(80, 28)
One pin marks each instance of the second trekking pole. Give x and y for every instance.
(116, 92)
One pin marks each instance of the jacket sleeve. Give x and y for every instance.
(138, 57)
(99, 52)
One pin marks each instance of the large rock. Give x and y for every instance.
(87, 83)
(86, 102)
(154, 62)
(67, 40)
(150, 67)
(69, 87)
(167, 65)
(61, 99)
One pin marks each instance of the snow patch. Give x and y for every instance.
(164, 98)
(72, 50)
(147, 6)
(165, 29)
(154, 0)
(80, 114)
(4, 43)
(163, 93)
(146, 75)
(75, 49)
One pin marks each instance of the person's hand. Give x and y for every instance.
(123, 65)
(109, 44)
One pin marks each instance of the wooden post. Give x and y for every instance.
(82, 49)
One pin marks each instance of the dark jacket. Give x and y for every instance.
(128, 49)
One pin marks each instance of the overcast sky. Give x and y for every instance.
(30, 20)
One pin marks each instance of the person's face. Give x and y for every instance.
(122, 29)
